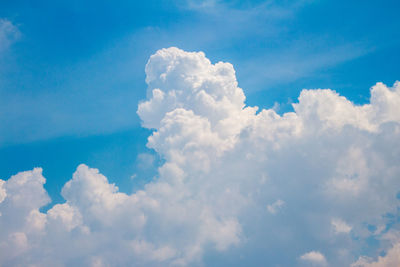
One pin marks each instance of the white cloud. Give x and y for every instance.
(327, 159)
(339, 226)
(314, 257)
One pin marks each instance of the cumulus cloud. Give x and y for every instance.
(392, 258)
(314, 257)
(223, 164)
(339, 226)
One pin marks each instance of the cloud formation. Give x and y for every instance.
(392, 258)
(328, 165)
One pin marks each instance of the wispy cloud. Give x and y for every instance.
(271, 53)
(297, 61)
(9, 33)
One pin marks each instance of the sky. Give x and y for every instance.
(212, 120)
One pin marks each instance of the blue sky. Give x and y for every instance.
(72, 72)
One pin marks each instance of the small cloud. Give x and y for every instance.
(274, 207)
(314, 257)
(340, 226)
(9, 33)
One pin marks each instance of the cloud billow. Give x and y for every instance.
(309, 182)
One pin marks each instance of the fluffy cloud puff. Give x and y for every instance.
(237, 185)
(314, 257)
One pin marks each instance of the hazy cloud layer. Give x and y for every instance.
(312, 185)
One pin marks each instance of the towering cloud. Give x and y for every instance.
(250, 185)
